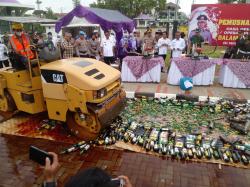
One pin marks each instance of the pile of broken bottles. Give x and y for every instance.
(167, 138)
(169, 127)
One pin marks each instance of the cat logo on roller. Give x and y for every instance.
(58, 78)
(83, 92)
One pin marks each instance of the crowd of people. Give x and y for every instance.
(242, 48)
(107, 48)
(157, 45)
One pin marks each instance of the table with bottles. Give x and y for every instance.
(202, 71)
(142, 69)
(235, 74)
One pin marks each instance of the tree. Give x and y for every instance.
(76, 2)
(50, 14)
(131, 8)
(39, 13)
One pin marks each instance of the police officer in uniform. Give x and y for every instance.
(204, 30)
(196, 40)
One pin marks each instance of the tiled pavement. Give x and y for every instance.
(215, 90)
(143, 170)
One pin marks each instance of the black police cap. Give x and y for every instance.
(203, 17)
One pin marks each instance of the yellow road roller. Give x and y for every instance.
(83, 92)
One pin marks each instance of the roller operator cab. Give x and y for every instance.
(83, 92)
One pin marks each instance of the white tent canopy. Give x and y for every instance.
(81, 22)
(30, 19)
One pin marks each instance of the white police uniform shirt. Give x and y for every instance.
(163, 49)
(180, 43)
(112, 37)
(107, 45)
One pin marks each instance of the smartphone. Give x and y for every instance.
(39, 155)
(117, 182)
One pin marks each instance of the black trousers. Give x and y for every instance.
(109, 60)
(5, 62)
(84, 56)
(163, 56)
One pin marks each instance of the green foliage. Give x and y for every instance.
(39, 13)
(76, 2)
(50, 14)
(131, 8)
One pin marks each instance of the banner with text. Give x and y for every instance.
(219, 24)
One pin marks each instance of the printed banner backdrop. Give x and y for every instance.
(219, 23)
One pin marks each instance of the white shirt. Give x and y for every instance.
(3, 49)
(161, 44)
(112, 37)
(175, 44)
(107, 45)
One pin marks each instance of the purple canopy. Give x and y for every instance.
(107, 19)
(9, 1)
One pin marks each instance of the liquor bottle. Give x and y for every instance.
(113, 139)
(173, 135)
(198, 140)
(101, 142)
(148, 147)
(126, 137)
(190, 153)
(194, 151)
(237, 154)
(131, 136)
(208, 155)
(211, 125)
(164, 150)
(228, 153)
(168, 149)
(240, 147)
(220, 154)
(216, 154)
(85, 149)
(72, 148)
(82, 146)
(235, 157)
(244, 159)
(156, 147)
(199, 153)
(211, 150)
(172, 151)
(202, 150)
(152, 144)
(225, 157)
(177, 152)
(160, 148)
(140, 141)
(134, 140)
(110, 141)
(69, 150)
(183, 153)
(106, 141)
(213, 143)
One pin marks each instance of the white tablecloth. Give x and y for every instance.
(204, 78)
(229, 79)
(153, 75)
